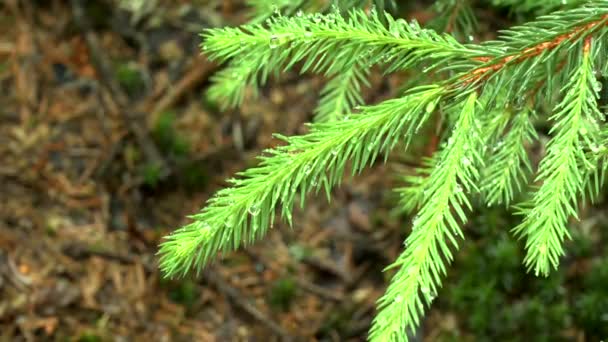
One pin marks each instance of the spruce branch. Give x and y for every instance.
(422, 264)
(328, 44)
(538, 7)
(264, 9)
(380, 5)
(455, 17)
(509, 165)
(556, 51)
(525, 48)
(227, 84)
(596, 168)
(545, 224)
(342, 93)
(411, 195)
(245, 211)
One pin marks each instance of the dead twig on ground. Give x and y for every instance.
(102, 66)
(222, 286)
(199, 71)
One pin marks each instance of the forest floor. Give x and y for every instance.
(107, 143)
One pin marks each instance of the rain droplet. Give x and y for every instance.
(254, 210)
(430, 106)
(583, 131)
(274, 41)
(415, 221)
(307, 169)
(466, 161)
(598, 86)
(398, 299)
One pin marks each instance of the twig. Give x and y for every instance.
(104, 70)
(232, 293)
(199, 72)
(319, 290)
(302, 282)
(327, 266)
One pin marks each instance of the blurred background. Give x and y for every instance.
(108, 141)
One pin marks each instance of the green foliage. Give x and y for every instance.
(488, 97)
(257, 51)
(458, 19)
(420, 267)
(540, 7)
(504, 176)
(576, 130)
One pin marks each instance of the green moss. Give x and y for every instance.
(495, 298)
(183, 292)
(151, 174)
(89, 337)
(591, 304)
(167, 138)
(130, 78)
(282, 293)
(193, 175)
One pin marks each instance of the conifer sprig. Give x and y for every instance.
(576, 117)
(421, 265)
(531, 52)
(342, 93)
(245, 211)
(553, 52)
(456, 17)
(264, 9)
(326, 44)
(411, 196)
(539, 7)
(508, 165)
